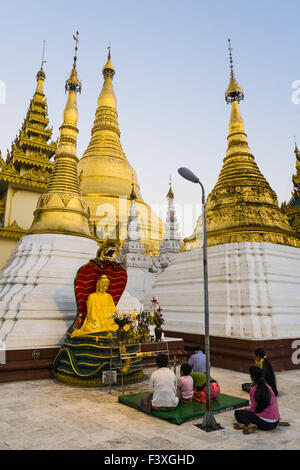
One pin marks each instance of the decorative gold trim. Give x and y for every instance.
(12, 232)
(95, 382)
(74, 234)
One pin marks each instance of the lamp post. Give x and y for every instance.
(208, 423)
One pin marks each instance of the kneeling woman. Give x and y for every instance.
(263, 413)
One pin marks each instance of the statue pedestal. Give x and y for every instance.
(254, 298)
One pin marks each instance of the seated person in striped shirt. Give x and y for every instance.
(185, 384)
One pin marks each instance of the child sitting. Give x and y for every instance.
(199, 384)
(262, 361)
(185, 384)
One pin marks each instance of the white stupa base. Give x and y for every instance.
(128, 303)
(140, 281)
(37, 301)
(254, 291)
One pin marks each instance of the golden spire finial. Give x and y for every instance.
(234, 91)
(230, 58)
(40, 76)
(108, 69)
(170, 194)
(297, 153)
(107, 97)
(296, 146)
(76, 48)
(73, 83)
(43, 55)
(132, 196)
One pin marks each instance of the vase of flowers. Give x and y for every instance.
(144, 320)
(124, 321)
(158, 319)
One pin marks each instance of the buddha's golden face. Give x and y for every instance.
(102, 284)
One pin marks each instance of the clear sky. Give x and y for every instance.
(172, 70)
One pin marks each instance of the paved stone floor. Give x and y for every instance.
(46, 415)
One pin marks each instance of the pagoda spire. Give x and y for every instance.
(40, 76)
(107, 176)
(242, 206)
(106, 125)
(133, 228)
(234, 91)
(171, 232)
(132, 254)
(61, 208)
(296, 177)
(292, 208)
(171, 240)
(32, 146)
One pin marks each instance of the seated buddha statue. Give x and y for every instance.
(100, 306)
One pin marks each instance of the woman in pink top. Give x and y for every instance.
(263, 413)
(185, 384)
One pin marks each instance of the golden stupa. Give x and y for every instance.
(61, 208)
(106, 176)
(242, 206)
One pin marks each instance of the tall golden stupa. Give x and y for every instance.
(106, 176)
(61, 209)
(242, 206)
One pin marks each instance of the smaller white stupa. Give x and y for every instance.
(133, 257)
(171, 245)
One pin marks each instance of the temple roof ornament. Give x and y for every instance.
(234, 91)
(170, 194)
(108, 69)
(132, 194)
(61, 208)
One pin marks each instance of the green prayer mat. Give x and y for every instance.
(187, 411)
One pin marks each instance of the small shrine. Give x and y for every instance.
(103, 340)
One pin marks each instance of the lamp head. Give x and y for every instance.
(188, 175)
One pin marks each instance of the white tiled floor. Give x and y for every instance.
(46, 415)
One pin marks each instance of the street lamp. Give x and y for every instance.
(208, 423)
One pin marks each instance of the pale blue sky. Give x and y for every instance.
(172, 70)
